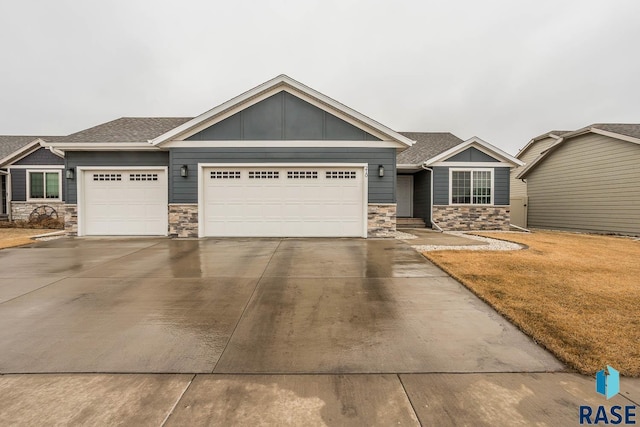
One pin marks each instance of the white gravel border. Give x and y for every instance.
(488, 243)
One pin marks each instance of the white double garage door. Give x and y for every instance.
(233, 201)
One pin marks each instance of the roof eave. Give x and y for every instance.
(100, 146)
(508, 158)
(20, 152)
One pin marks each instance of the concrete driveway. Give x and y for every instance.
(264, 332)
(246, 306)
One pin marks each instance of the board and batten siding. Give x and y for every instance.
(134, 159)
(441, 185)
(590, 183)
(517, 187)
(185, 190)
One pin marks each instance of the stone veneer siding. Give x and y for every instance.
(381, 221)
(71, 220)
(22, 210)
(183, 220)
(465, 218)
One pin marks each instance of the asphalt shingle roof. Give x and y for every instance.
(628, 129)
(428, 145)
(127, 129)
(12, 143)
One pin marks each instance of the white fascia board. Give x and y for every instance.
(473, 164)
(281, 82)
(280, 144)
(478, 143)
(579, 132)
(101, 146)
(615, 135)
(21, 152)
(534, 140)
(538, 159)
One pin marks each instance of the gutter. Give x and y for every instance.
(433, 223)
(56, 152)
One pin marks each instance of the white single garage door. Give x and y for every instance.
(124, 203)
(286, 201)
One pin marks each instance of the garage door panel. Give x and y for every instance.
(128, 202)
(283, 201)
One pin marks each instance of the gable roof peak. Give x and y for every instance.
(239, 102)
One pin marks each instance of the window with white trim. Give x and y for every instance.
(471, 187)
(43, 185)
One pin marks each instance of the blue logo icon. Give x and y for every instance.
(608, 382)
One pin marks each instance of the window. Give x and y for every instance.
(471, 187)
(340, 175)
(264, 175)
(44, 185)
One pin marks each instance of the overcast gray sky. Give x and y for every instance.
(505, 71)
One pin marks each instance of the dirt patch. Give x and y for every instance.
(578, 295)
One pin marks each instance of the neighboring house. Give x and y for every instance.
(588, 180)
(30, 177)
(454, 184)
(279, 160)
(518, 188)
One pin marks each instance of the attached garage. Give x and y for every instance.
(126, 202)
(283, 200)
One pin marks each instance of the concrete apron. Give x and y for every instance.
(374, 333)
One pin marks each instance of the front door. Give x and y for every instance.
(405, 196)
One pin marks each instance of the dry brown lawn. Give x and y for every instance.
(10, 237)
(578, 295)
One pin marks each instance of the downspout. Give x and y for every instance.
(433, 223)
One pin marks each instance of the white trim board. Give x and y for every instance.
(36, 167)
(21, 153)
(281, 144)
(471, 169)
(479, 144)
(43, 171)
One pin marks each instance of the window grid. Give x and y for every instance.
(44, 185)
(481, 187)
(264, 174)
(302, 175)
(143, 177)
(461, 187)
(107, 177)
(225, 175)
(471, 187)
(340, 175)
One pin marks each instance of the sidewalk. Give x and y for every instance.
(504, 399)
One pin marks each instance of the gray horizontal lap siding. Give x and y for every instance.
(185, 190)
(589, 183)
(19, 185)
(74, 159)
(441, 185)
